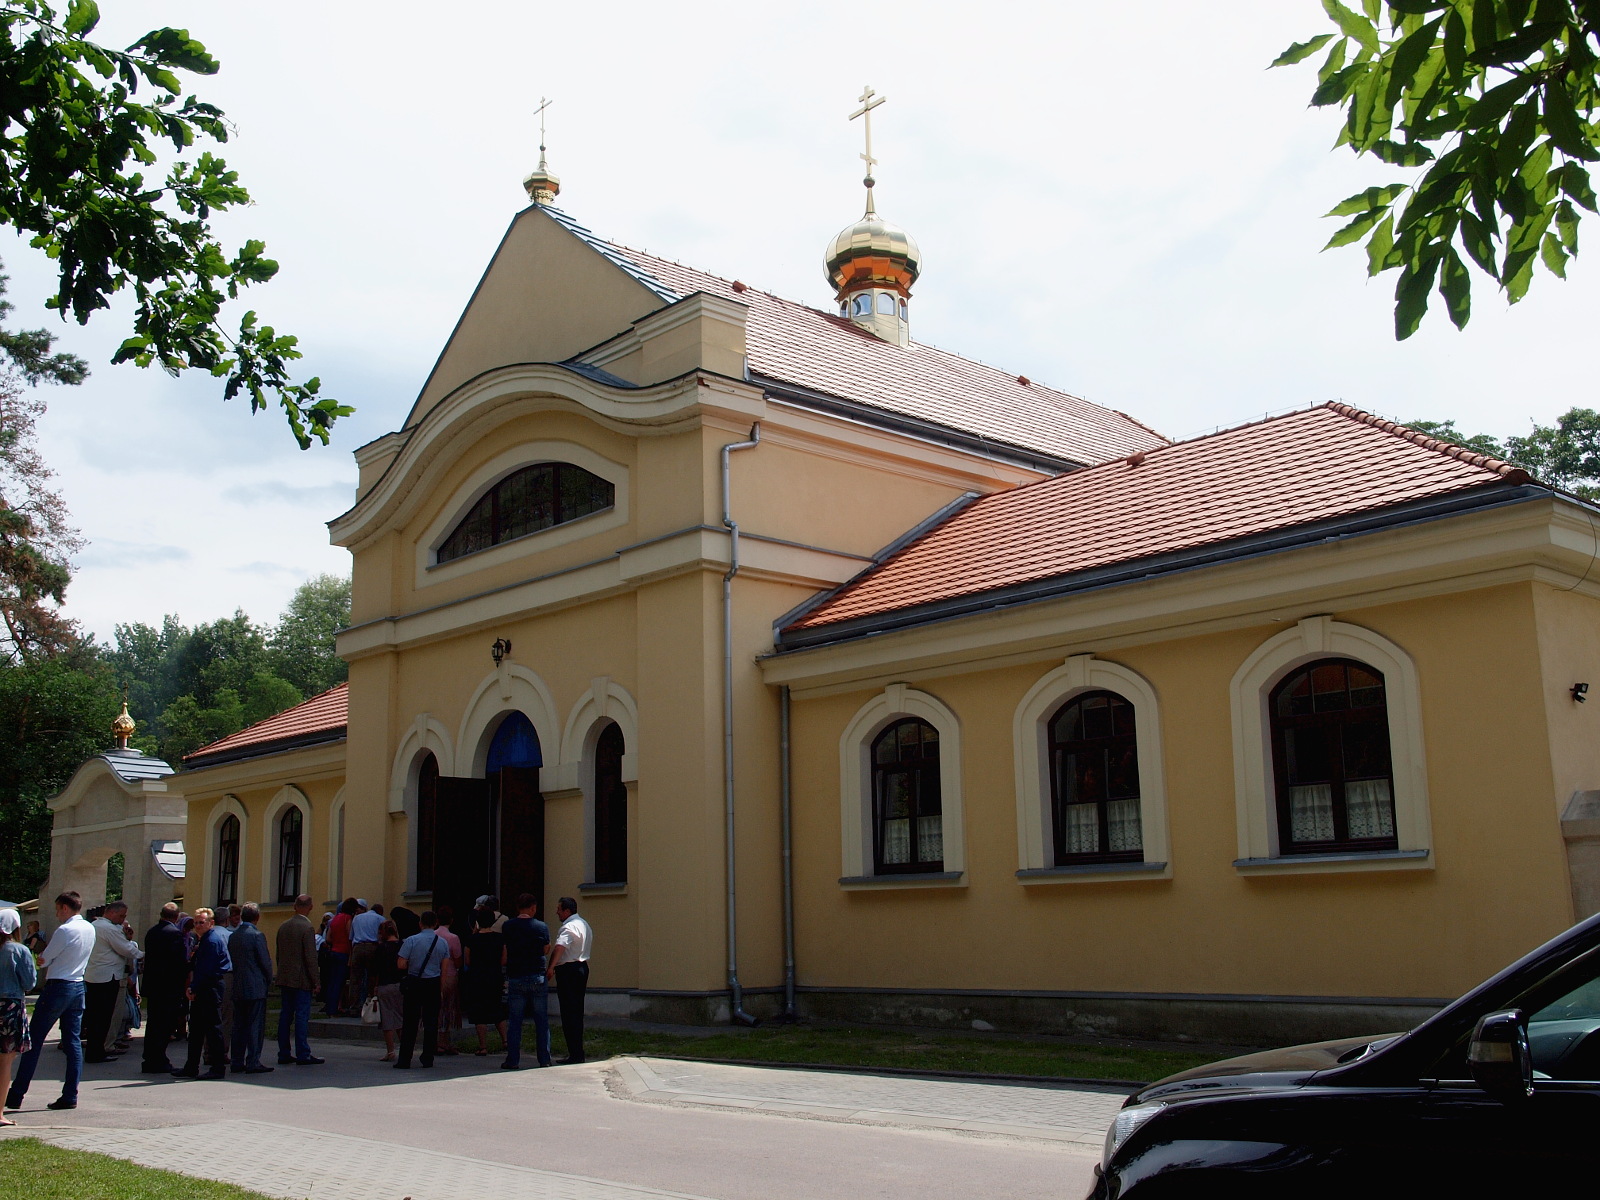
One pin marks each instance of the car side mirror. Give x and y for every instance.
(1499, 1058)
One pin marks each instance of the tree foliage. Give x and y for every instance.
(1491, 104)
(80, 174)
(301, 647)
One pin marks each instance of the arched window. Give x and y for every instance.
(290, 830)
(1330, 745)
(861, 306)
(524, 502)
(427, 819)
(886, 303)
(610, 808)
(907, 825)
(1094, 781)
(228, 860)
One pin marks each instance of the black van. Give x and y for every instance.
(1497, 1094)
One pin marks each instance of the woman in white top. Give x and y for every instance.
(17, 976)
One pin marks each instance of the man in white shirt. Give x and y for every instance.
(65, 960)
(569, 961)
(102, 979)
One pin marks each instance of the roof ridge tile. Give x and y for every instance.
(1510, 472)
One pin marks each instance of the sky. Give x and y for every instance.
(1117, 200)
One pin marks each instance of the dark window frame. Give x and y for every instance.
(610, 807)
(291, 852)
(228, 833)
(427, 820)
(1338, 722)
(567, 492)
(925, 785)
(1059, 746)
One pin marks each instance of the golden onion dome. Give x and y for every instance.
(873, 252)
(122, 726)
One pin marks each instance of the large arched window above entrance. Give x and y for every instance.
(427, 820)
(610, 808)
(907, 809)
(1331, 761)
(291, 843)
(1094, 781)
(228, 860)
(526, 501)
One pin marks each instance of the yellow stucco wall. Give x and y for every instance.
(1498, 887)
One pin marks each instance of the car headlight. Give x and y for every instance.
(1128, 1120)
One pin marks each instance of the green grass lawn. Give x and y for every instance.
(870, 1048)
(39, 1171)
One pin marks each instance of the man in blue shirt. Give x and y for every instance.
(252, 980)
(526, 939)
(206, 971)
(422, 958)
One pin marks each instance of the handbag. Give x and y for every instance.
(369, 1011)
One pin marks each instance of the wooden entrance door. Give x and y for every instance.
(521, 865)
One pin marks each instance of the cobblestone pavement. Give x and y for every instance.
(282, 1160)
(1077, 1114)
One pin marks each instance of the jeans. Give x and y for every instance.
(249, 1030)
(524, 992)
(333, 982)
(297, 1011)
(419, 998)
(61, 1000)
(572, 982)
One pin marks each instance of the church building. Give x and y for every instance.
(839, 675)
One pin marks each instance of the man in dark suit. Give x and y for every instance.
(252, 980)
(166, 966)
(211, 963)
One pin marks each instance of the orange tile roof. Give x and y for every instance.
(821, 352)
(1333, 461)
(321, 718)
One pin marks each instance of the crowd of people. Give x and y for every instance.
(202, 981)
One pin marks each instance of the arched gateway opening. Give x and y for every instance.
(488, 834)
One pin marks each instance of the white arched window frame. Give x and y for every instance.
(1030, 742)
(286, 797)
(894, 703)
(526, 454)
(228, 806)
(605, 703)
(336, 844)
(508, 688)
(1255, 785)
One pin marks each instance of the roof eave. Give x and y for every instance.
(262, 749)
(1487, 496)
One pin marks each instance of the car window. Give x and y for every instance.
(1564, 1034)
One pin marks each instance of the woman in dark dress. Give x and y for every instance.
(485, 962)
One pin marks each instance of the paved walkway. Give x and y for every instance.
(1060, 1113)
(281, 1160)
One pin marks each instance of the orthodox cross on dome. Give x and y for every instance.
(869, 101)
(541, 185)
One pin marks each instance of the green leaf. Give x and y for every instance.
(1575, 183)
(1334, 62)
(1301, 51)
(1418, 7)
(1478, 237)
(1372, 198)
(1353, 231)
(1411, 298)
(1455, 286)
(1353, 25)
(1409, 56)
(1455, 48)
(82, 16)
(1339, 85)
(1561, 119)
(1518, 46)
(1555, 257)
(1497, 102)
(1567, 226)
(1380, 247)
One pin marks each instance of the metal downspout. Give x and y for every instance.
(785, 794)
(736, 1011)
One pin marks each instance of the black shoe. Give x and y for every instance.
(428, 1063)
(219, 1073)
(309, 1062)
(185, 1073)
(61, 1104)
(284, 1060)
(155, 1069)
(402, 1066)
(506, 1066)
(13, 1100)
(257, 1070)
